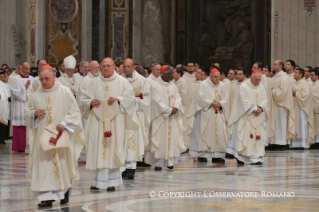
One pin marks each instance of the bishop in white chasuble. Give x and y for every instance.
(53, 170)
(167, 124)
(315, 102)
(108, 137)
(247, 124)
(206, 119)
(139, 141)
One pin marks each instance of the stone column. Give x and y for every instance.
(153, 41)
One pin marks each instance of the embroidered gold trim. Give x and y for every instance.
(215, 121)
(255, 141)
(54, 153)
(106, 97)
(169, 133)
(134, 143)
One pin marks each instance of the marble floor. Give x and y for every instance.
(191, 186)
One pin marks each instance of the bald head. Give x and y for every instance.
(26, 68)
(94, 68)
(278, 66)
(128, 67)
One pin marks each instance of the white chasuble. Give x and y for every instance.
(109, 152)
(82, 87)
(18, 99)
(189, 78)
(189, 97)
(139, 140)
(167, 130)
(315, 105)
(207, 125)
(304, 119)
(248, 132)
(4, 104)
(54, 169)
(280, 110)
(72, 83)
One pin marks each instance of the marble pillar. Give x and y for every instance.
(153, 41)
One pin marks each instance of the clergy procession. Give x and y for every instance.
(117, 119)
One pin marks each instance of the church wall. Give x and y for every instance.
(296, 34)
(13, 14)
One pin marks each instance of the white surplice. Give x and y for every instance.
(18, 99)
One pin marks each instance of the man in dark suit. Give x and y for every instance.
(61, 70)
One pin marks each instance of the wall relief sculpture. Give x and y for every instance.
(236, 48)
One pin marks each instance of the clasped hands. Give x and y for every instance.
(174, 110)
(258, 112)
(97, 103)
(216, 105)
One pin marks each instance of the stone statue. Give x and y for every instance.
(239, 10)
(207, 43)
(243, 49)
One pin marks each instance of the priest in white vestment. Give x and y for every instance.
(189, 77)
(109, 106)
(4, 112)
(94, 71)
(307, 77)
(280, 109)
(156, 72)
(315, 102)
(16, 72)
(180, 84)
(68, 79)
(189, 97)
(228, 84)
(167, 124)
(304, 119)
(247, 124)
(289, 68)
(207, 121)
(83, 70)
(53, 110)
(139, 141)
(19, 86)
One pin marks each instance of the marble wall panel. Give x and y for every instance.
(297, 33)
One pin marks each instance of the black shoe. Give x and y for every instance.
(142, 164)
(186, 151)
(240, 162)
(110, 188)
(66, 198)
(124, 174)
(258, 163)
(44, 204)
(21, 151)
(170, 167)
(199, 159)
(94, 188)
(130, 174)
(158, 168)
(229, 156)
(218, 160)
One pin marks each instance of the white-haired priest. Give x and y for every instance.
(109, 105)
(246, 124)
(206, 119)
(56, 140)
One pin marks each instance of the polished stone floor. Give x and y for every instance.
(191, 186)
